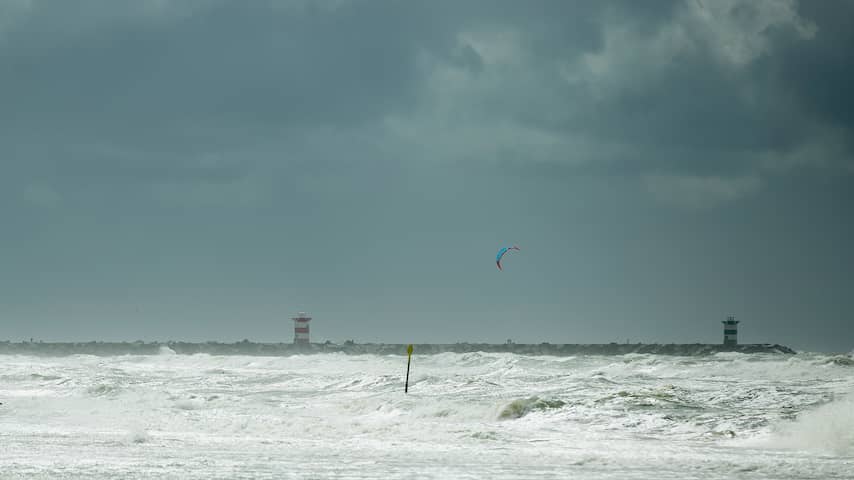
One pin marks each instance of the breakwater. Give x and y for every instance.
(281, 349)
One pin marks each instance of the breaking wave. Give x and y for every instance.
(597, 416)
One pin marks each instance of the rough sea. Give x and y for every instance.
(474, 415)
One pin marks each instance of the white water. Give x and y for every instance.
(479, 416)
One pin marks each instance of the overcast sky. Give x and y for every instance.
(202, 170)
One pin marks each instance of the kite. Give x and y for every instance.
(501, 255)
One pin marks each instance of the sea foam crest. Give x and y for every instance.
(829, 428)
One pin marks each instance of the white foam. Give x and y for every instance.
(164, 350)
(828, 429)
(476, 415)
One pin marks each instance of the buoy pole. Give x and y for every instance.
(408, 361)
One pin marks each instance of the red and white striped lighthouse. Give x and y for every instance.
(301, 328)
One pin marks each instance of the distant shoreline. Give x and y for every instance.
(352, 348)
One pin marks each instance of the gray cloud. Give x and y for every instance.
(700, 192)
(214, 134)
(678, 85)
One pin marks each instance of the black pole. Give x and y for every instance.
(408, 361)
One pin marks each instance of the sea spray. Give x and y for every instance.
(828, 429)
(483, 415)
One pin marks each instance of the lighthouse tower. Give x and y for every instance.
(730, 331)
(301, 328)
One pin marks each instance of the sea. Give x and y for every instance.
(466, 416)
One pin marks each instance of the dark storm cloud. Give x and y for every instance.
(696, 91)
(109, 92)
(656, 77)
(147, 82)
(819, 73)
(682, 95)
(274, 63)
(211, 133)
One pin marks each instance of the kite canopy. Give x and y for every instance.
(501, 255)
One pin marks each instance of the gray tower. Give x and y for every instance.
(730, 331)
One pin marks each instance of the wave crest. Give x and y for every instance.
(523, 406)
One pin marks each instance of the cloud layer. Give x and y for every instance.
(221, 129)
